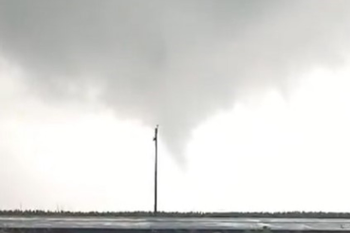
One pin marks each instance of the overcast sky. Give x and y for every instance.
(251, 97)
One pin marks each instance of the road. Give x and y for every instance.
(176, 223)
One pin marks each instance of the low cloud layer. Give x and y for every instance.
(173, 63)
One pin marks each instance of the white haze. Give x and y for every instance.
(250, 95)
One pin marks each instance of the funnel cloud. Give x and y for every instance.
(173, 63)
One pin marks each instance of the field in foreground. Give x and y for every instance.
(162, 224)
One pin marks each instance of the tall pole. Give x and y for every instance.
(155, 139)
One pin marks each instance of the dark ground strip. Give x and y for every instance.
(87, 230)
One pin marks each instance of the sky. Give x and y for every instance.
(251, 98)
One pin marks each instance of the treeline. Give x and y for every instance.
(30, 213)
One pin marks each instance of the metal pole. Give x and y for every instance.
(156, 171)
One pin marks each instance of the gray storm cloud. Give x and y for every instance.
(173, 63)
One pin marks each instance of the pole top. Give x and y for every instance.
(156, 133)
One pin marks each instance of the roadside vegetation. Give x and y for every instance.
(30, 213)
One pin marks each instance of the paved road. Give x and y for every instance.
(177, 223)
